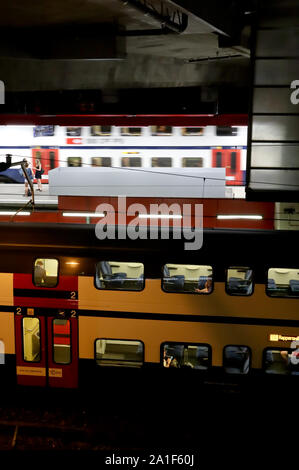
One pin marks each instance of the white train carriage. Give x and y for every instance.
(144, 147)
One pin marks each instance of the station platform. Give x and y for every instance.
(12, 195)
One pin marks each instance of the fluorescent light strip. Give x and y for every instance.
(159, 216)
(14, 213)
(255, 217)
(82, 214)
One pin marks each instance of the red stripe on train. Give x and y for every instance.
(45, 302)
(24, 281)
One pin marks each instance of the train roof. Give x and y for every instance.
(84, 234)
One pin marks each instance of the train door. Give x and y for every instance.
(231, 160)
(48, 157)
(46, 348)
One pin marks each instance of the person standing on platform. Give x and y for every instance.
(38, 175)
(29, 173)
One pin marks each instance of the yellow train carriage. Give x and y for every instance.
(74, 308)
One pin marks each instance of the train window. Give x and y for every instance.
(51, 159)
(187, 278)
(283, 282)
(101, 161)
(73, 131)
(161, 162)
(119, 352)
(130, 131)
(114, 275)
(100, 130)
(161, 130)
(283, 361)
(239, 281)
(193, 356)
(45, 272)
(192, 162)
(130, 161)
(43, 131)
(74, 161)
(61, 341)
(193, 130)
(236, 359)
(31, 339)
(226, 131)
(2, 352)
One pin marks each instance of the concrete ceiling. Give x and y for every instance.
(47, 45)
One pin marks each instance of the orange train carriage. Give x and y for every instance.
(74, 307)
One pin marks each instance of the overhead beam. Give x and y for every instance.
(168, 18)
(221, 16)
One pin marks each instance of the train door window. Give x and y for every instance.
(161, 162)
(283, 282)
(239, 281)
(282, 361)
(218, 159)
(61, 341)
(179, 355)
(161, 130)
(114, 275)
(45, 272)
(130, 161)
(74, 161)
(2, 352)
(51, 159)
(100, 130)
(226, 131)
(73, 131)
(233, 162)
(193, 130)
(187, 278)
(119, 352)
(31, 339)
(101, 161)
(236, 359)
(192, 162)
(130, 131)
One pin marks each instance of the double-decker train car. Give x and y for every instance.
(75, 310)
(115, 146)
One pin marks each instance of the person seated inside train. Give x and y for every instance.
(292, 358)
(40, 275)
(169, 361)
(207, 288)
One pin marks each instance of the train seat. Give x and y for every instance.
(240, 286)
(275, 364)
(271, 284)
(106, 279)
(294, 285)
(174, 283)
(237, 360)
